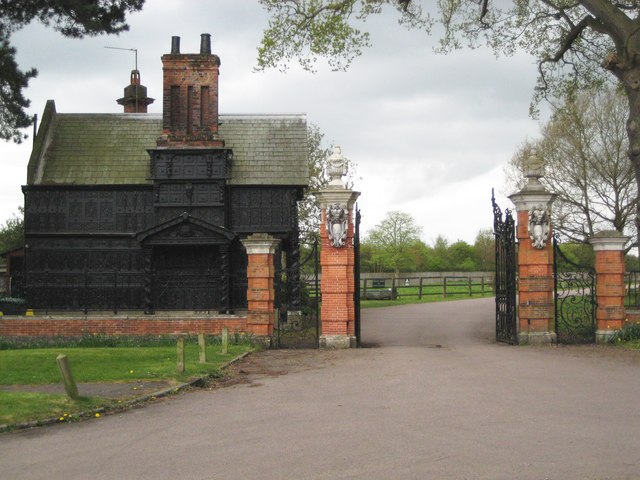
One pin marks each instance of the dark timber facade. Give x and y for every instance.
(145, 212)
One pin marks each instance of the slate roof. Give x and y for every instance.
(110, 149)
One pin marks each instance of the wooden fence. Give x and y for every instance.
(424, 286)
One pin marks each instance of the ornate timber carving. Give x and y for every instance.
(224, 260)
(262, 209)
(191, 164)
(185, 230)
(337, 220)
(148, 280)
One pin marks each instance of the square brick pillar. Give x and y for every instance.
(337, 260)
(610, 289)
(261, 249)
(536, 309)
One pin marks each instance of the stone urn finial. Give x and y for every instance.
(337, 168)
(533, 167)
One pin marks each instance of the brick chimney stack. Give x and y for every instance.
(135, 98)
(190, 97)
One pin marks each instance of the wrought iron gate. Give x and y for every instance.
(356, 276)
(297, 300)
(575, 304)
(505, 278)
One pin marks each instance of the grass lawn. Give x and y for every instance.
(94, 364)
(407, 300)
(19, 407)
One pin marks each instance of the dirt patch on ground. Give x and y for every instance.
(271, 363)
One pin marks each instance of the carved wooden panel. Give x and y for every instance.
(187, 193)
(262, 209)
(87, 210)
(190, 165)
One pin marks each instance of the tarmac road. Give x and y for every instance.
(433, 397)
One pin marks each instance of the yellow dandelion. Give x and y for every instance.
(130, 371)
(98, 415)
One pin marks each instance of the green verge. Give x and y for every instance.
(99, 365)
(21, 407)
(38, 366)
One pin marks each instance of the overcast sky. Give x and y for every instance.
(430, 134)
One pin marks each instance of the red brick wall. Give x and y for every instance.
(71, 326)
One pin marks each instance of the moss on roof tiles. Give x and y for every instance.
(110, 149)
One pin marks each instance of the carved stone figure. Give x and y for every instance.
(337, 224)
(539, 226)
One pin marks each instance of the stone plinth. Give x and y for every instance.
(610, 288)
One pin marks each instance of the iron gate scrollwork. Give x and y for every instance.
(505, 278)
(574, 295)
(297, 299)
(356, 277)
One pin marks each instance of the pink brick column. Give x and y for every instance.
(260, 248)
(337, 259)
(536, 310)
(536, 307)
(609, 264)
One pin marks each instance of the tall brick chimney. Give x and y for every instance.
(190, 97)
(135, 98)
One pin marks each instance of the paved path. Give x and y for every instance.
(435, 398)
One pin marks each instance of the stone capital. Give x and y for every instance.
(332, 195)
(260, 243)
(611, 240)
(526, 199)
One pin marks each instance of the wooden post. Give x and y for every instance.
(470, 287)
(225, 340)
(202, 347)
(420, 289)
(69, 383)
(444, 287)
(180, 352)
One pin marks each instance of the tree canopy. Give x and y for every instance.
(577, 43)
(584, 152)
(72, 18)
(12, 232)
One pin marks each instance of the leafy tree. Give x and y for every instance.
(578, 44)
(72, 18)
(439, 260)
(461, 257)
(12, 232)
(584, 152)
(392, 238)
(484, 250)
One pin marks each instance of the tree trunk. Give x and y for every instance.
(633, 130)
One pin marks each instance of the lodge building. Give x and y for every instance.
(147, 213)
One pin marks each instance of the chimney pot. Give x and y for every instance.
(175, 45)
(205, 44)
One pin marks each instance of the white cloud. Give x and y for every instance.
(430, 133)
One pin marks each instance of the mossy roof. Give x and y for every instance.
(111, 149)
